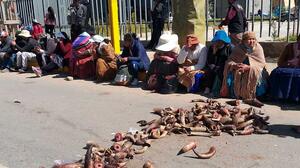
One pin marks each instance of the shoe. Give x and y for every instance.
(37, 71)
(206, 91)
(233, 102)
(253, 102)
(4, 70)
(134, 82)
(22, 70)
(296, 129)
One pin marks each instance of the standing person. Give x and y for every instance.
(78, 19)
(236, 21)
(192, 60)
(134, 56)
(158, 14)
(50, 21)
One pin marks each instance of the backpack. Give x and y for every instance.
(123, 76)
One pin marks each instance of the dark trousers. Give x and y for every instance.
(157, 28)
(49, 67)
(7, 62)
(49, 29)
(134, 67)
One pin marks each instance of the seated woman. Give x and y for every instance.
(59, 58)
(161, 76)
(82, 63)
(106, 64)
(244, 72)
(285, 79)
(134, 56)
(217, 55)
(191, 59)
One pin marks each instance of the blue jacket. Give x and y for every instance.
(137, 53)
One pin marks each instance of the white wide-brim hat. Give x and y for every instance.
(167, 42)
(97, 38)
(25, 33)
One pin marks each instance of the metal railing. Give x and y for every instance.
(134, 15)
(270, 19)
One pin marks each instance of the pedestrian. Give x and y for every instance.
(159, 14)
(236, 21)
(78, 19)
(50, 21)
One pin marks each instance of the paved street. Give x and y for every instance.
(55, 119)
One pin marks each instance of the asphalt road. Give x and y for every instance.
(55, 119)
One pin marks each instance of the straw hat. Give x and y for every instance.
(25, 33)
(167, 42)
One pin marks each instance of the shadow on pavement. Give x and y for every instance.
(285, 105)
(283, 131)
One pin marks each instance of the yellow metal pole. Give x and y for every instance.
(114, 25)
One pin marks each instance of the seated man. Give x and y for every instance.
(285, 79)
(106, 64)
(244, 72)
(5, 51)
(217, 55)
(27, 51)
(134, 56)
(191, 59)
(161, 76)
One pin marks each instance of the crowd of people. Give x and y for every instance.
(232, 66)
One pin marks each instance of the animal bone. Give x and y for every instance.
(186, 148)
(207, 155)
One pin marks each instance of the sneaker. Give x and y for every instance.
(4, 70)
(37, 71)
(134, 82)
(22, 70)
